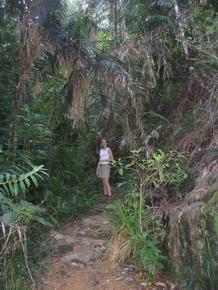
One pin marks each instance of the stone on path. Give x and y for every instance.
(83, 257)
(59, 237)
(63, 249)
(67, 238)
(144, 285)
(70, 240)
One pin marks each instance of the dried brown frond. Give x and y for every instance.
(29, 50)
(132, 51)
(36, 88)
(199, 101)
(205, 126)
(105, 115)
(128, 139)
(137, 105)
(148, 149)
(79, 81)
(69, 61)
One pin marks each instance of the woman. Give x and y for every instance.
(103, 168)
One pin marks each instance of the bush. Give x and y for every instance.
(17, 215)
(137, 233)
(135, 242)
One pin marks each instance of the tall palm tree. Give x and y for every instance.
(45, 34)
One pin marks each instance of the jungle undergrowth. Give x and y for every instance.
(137, 234)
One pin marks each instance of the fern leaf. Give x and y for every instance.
(34, 180)
(20, 178)
(27, 182)
(39, 176)
(5, 188)
(11, 188)
(15, 188)
(22, 185)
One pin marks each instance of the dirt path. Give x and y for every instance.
(76, 261)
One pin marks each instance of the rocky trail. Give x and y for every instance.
(77, 259)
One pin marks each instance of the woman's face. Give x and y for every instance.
(103, 143)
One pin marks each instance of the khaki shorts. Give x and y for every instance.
(104, 171)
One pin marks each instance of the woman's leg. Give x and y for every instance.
(108, 187)
(104, 185)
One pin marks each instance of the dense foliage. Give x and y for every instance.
(142, 74)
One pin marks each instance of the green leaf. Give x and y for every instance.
(6, 189)
(39, 176)
(1, 178)
(11, 188)
(18, 169)
(216, 224)
(24, 202)
(44, 172)
(42, 221)
(2, 197)
(27, 182)
(155, 115)
(9, 217)
(22, 185)
(15, 188)
(8, 177)
(53, 219)
(13, 177)
(129, 165)
(142, 166)
(121, 171)
(34, 180)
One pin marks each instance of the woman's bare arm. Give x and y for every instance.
(97, 168)
(111, 157)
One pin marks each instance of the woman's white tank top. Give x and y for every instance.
(104, 154)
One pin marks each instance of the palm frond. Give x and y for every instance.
(89, 61)
(115, 75)
(46, 8)
(80, 25)
(79, 81)
(18, 180)
(49, 15)
(156, 20)
(46, 65)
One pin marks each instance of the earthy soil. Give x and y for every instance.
(78, 262)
